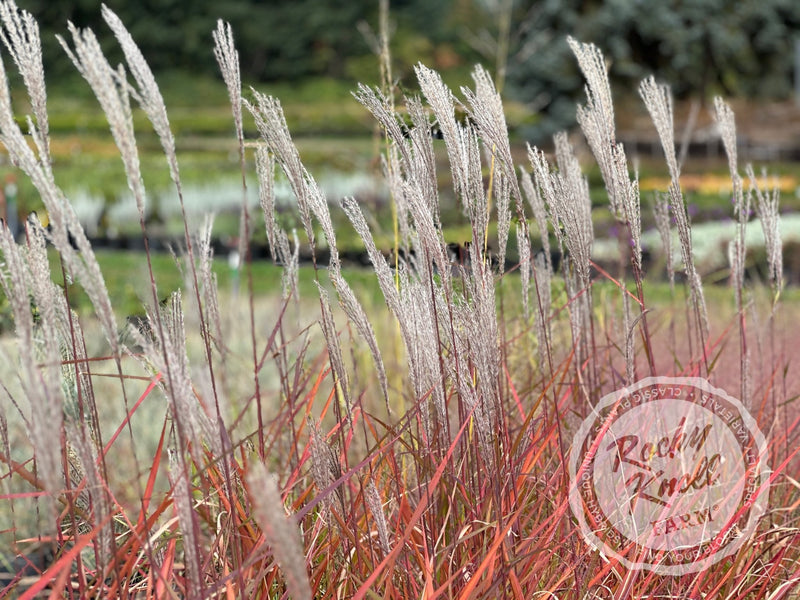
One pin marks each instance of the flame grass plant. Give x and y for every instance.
(284, 464)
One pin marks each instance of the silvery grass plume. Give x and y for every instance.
(380, 106)
(347, 299)
(209, 310)
(398, 160)
(432, 257)
(113, 94)
(94, 67)
(335, 352)
(20, 35)
(290, 259)
(464, 322)
(390, 166)
(412, 177)
(727, 127)
(441, 100)
(566, 193)
(477, 359)
(280, 531)
(59, 394)
(228, 61)
(278, 239)
(271, 124)
(463, 153)
(524, 248)
(325, 469)
(410, 303)
(658, 101)
(421, 317)
(596, 119)
(147, 93)
(502, 189)
(24, 279)
(65, 228)
(486, 111)
(423, 166)
(542, 265)
(416, 185)
(375, 504)
(475, 201)
(545, 192)
(662, 219)
(462, 144)
(570, 201)
(539, 212)
(149, 97)
(573, 206)
(165, 352)
(314, 199)
(355, 313)
(542, 277)
(767, 209)
(726, 124)
(265, 169)
(476, 356)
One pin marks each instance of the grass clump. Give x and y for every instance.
(286, 461)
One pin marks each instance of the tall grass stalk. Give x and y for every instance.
(277, 464)
(727, 126)
(658, 100)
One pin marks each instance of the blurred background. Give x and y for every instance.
(311, 53)
(746, 48)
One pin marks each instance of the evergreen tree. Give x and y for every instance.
(698, 47)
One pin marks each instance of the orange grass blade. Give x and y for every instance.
(62, 565)
(151, 479)
(409, 526)
(133, 409)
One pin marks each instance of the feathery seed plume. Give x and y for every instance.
(767, 208)
(334, 349)
(20, 35)
(658, 102)
(148, 93)
(661, 214)
(271, 124)
(542, 277)
(325, 468)
(373, 498)
(228, 60)
(524, 247)
(280, 531)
